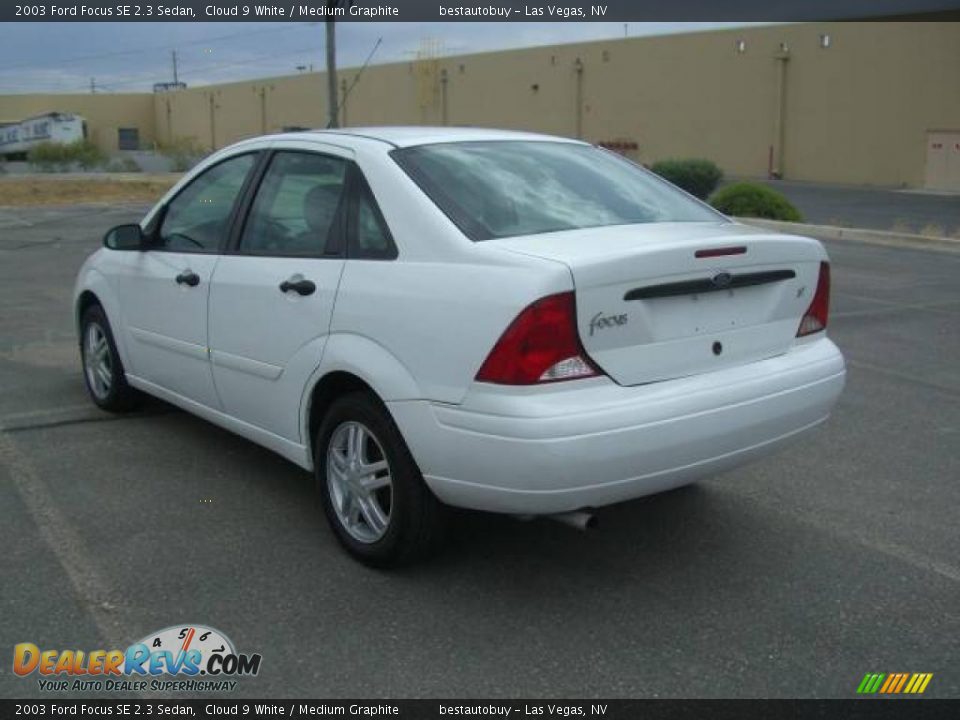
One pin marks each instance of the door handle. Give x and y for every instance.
(188, 277)
(301, 286)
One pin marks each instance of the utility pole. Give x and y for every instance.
(333, 7)
(213, 120)
(331, 69)
(444, 115)
(263, 110)
(176, 79)
(93, 86)
(578, 69)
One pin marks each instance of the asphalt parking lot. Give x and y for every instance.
(922, 212)
(788, 578)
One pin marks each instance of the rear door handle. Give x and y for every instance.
(298, 285)
(188, 277)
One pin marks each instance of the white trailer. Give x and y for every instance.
(16, 139)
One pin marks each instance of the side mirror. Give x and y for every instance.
(125, 237)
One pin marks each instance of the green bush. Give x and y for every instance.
(183, 153)
(697, 177)
(86, 154)
(747, 199)
(62, 157)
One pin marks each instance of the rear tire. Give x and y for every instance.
(102, 368)
(370, 487)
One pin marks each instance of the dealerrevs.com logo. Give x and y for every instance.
(199, 658)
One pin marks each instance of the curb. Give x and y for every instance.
(873, 237)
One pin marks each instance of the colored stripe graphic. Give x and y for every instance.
(894, 683)
(870, 683)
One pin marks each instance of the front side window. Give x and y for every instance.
(296, 208)
(497, 189)
(198, 218)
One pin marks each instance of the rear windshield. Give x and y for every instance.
(497, 189)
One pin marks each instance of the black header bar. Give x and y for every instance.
(852, 709)
(472, 10)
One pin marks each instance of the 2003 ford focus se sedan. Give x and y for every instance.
(433, 317)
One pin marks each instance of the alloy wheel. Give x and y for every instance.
(358, 478)
(97, 361)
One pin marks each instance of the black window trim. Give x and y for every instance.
(335, 241)
(153, 229)
(470, 228)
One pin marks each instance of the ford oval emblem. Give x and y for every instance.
(722, 280)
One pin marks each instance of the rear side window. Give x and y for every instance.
(369, 235)
(296, 209)
(496, 189)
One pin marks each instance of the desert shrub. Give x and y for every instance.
(183, 153)
(697, 177)
(747, 199)
(49, 157)
(86, 154)
(63, 157)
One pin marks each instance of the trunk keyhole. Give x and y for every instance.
(717, 348)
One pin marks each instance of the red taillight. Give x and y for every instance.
(541, 345)
(815, 319)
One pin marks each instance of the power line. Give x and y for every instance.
(144, 78)
(141, 50)
(149, 77)
(206, 68)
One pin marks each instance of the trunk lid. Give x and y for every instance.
(649, 309)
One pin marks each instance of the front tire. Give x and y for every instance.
(102, 368)
(370, 487)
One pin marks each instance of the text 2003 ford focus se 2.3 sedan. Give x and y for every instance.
(428, 317)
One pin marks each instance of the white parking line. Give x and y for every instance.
(46, 416)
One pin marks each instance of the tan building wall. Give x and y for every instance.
(104, 113)
(857, 111)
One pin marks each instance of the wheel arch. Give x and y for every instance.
(330, 387)
(352, 363)
(85, 300)
(94, 289)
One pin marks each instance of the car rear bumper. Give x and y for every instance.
(591, 443)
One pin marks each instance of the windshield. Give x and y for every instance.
(497, 189)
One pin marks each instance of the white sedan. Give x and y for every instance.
(433, 317)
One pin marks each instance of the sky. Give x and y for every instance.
(130, 57)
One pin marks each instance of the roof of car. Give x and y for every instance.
(406, 136)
